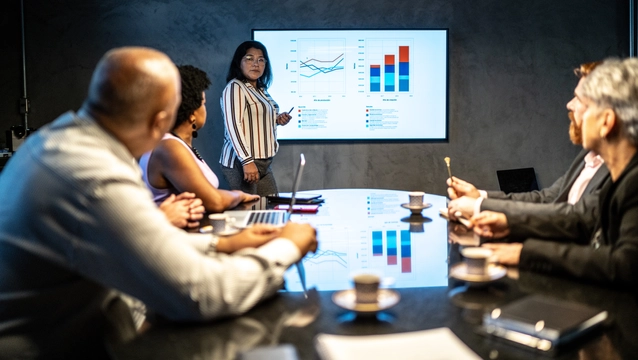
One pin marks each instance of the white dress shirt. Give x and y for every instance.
(593, 162)
(76, 220)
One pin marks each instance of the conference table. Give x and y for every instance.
(369, 230)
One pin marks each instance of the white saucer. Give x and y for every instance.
(347, 300)
(494, 272)
(416, 209)
(208, 229)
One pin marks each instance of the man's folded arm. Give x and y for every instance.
(557, 221)
(606, 264)
(143, 255)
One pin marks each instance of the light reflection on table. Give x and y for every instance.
(368, 229)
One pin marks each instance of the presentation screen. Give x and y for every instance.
(359, 84)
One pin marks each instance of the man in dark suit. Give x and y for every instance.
(578, 186)
(608, 251)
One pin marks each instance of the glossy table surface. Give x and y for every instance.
(368, 229)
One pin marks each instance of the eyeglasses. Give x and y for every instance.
(253, 60)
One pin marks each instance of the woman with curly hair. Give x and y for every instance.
(175, 166)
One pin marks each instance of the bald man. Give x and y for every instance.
(77, 221)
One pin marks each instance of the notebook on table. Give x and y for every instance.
(541, 322)
(284, 198)
(245, 218)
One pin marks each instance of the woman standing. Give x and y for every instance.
(251, 117)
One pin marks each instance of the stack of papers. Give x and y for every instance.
(437, 344)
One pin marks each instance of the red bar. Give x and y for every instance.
(404, 54)
(406, 265)
(389, 59)
(392, 259)
(375, 66)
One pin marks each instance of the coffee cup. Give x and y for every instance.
(477, 259)
(219, 222)
(416, 198)
(366, 287)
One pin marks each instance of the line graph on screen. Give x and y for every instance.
(321, 65)
(318, 66)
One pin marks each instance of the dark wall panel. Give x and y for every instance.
(10, 67)
(510, 75)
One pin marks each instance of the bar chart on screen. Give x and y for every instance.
(360, 84)
(393, 56)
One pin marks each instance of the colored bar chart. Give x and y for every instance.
(406, 252)
(391, 236)
(377, 243)
(404, 68)
(386, 73)
(395, 248)
(375, 78)
(389, 68)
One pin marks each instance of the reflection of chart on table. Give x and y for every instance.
(390, 250)
(329, 267)
(321, 66)
(395, 249)
(328, 256)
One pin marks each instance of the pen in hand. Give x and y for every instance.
(449, 171)
(284, 121)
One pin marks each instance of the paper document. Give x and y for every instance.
(438, 344)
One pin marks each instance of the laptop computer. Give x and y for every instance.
(245, 218)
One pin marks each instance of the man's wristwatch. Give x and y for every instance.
(212, 245)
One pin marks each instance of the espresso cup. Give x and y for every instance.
(219, 222)
(366, 288)
(476, 259)
(416, 227)
(416, 198)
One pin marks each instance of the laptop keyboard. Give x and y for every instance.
(266, 217)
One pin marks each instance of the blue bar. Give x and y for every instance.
(404, 68)
(375, 78)
(404, 76)
(389, 77)
(404, 84)
(392, 242)
(406, 244)
(377, 243)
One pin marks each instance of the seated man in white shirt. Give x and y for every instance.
(579, 185)
(77, 222)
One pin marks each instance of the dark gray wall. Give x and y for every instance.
(10, 67)
(510, 74)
